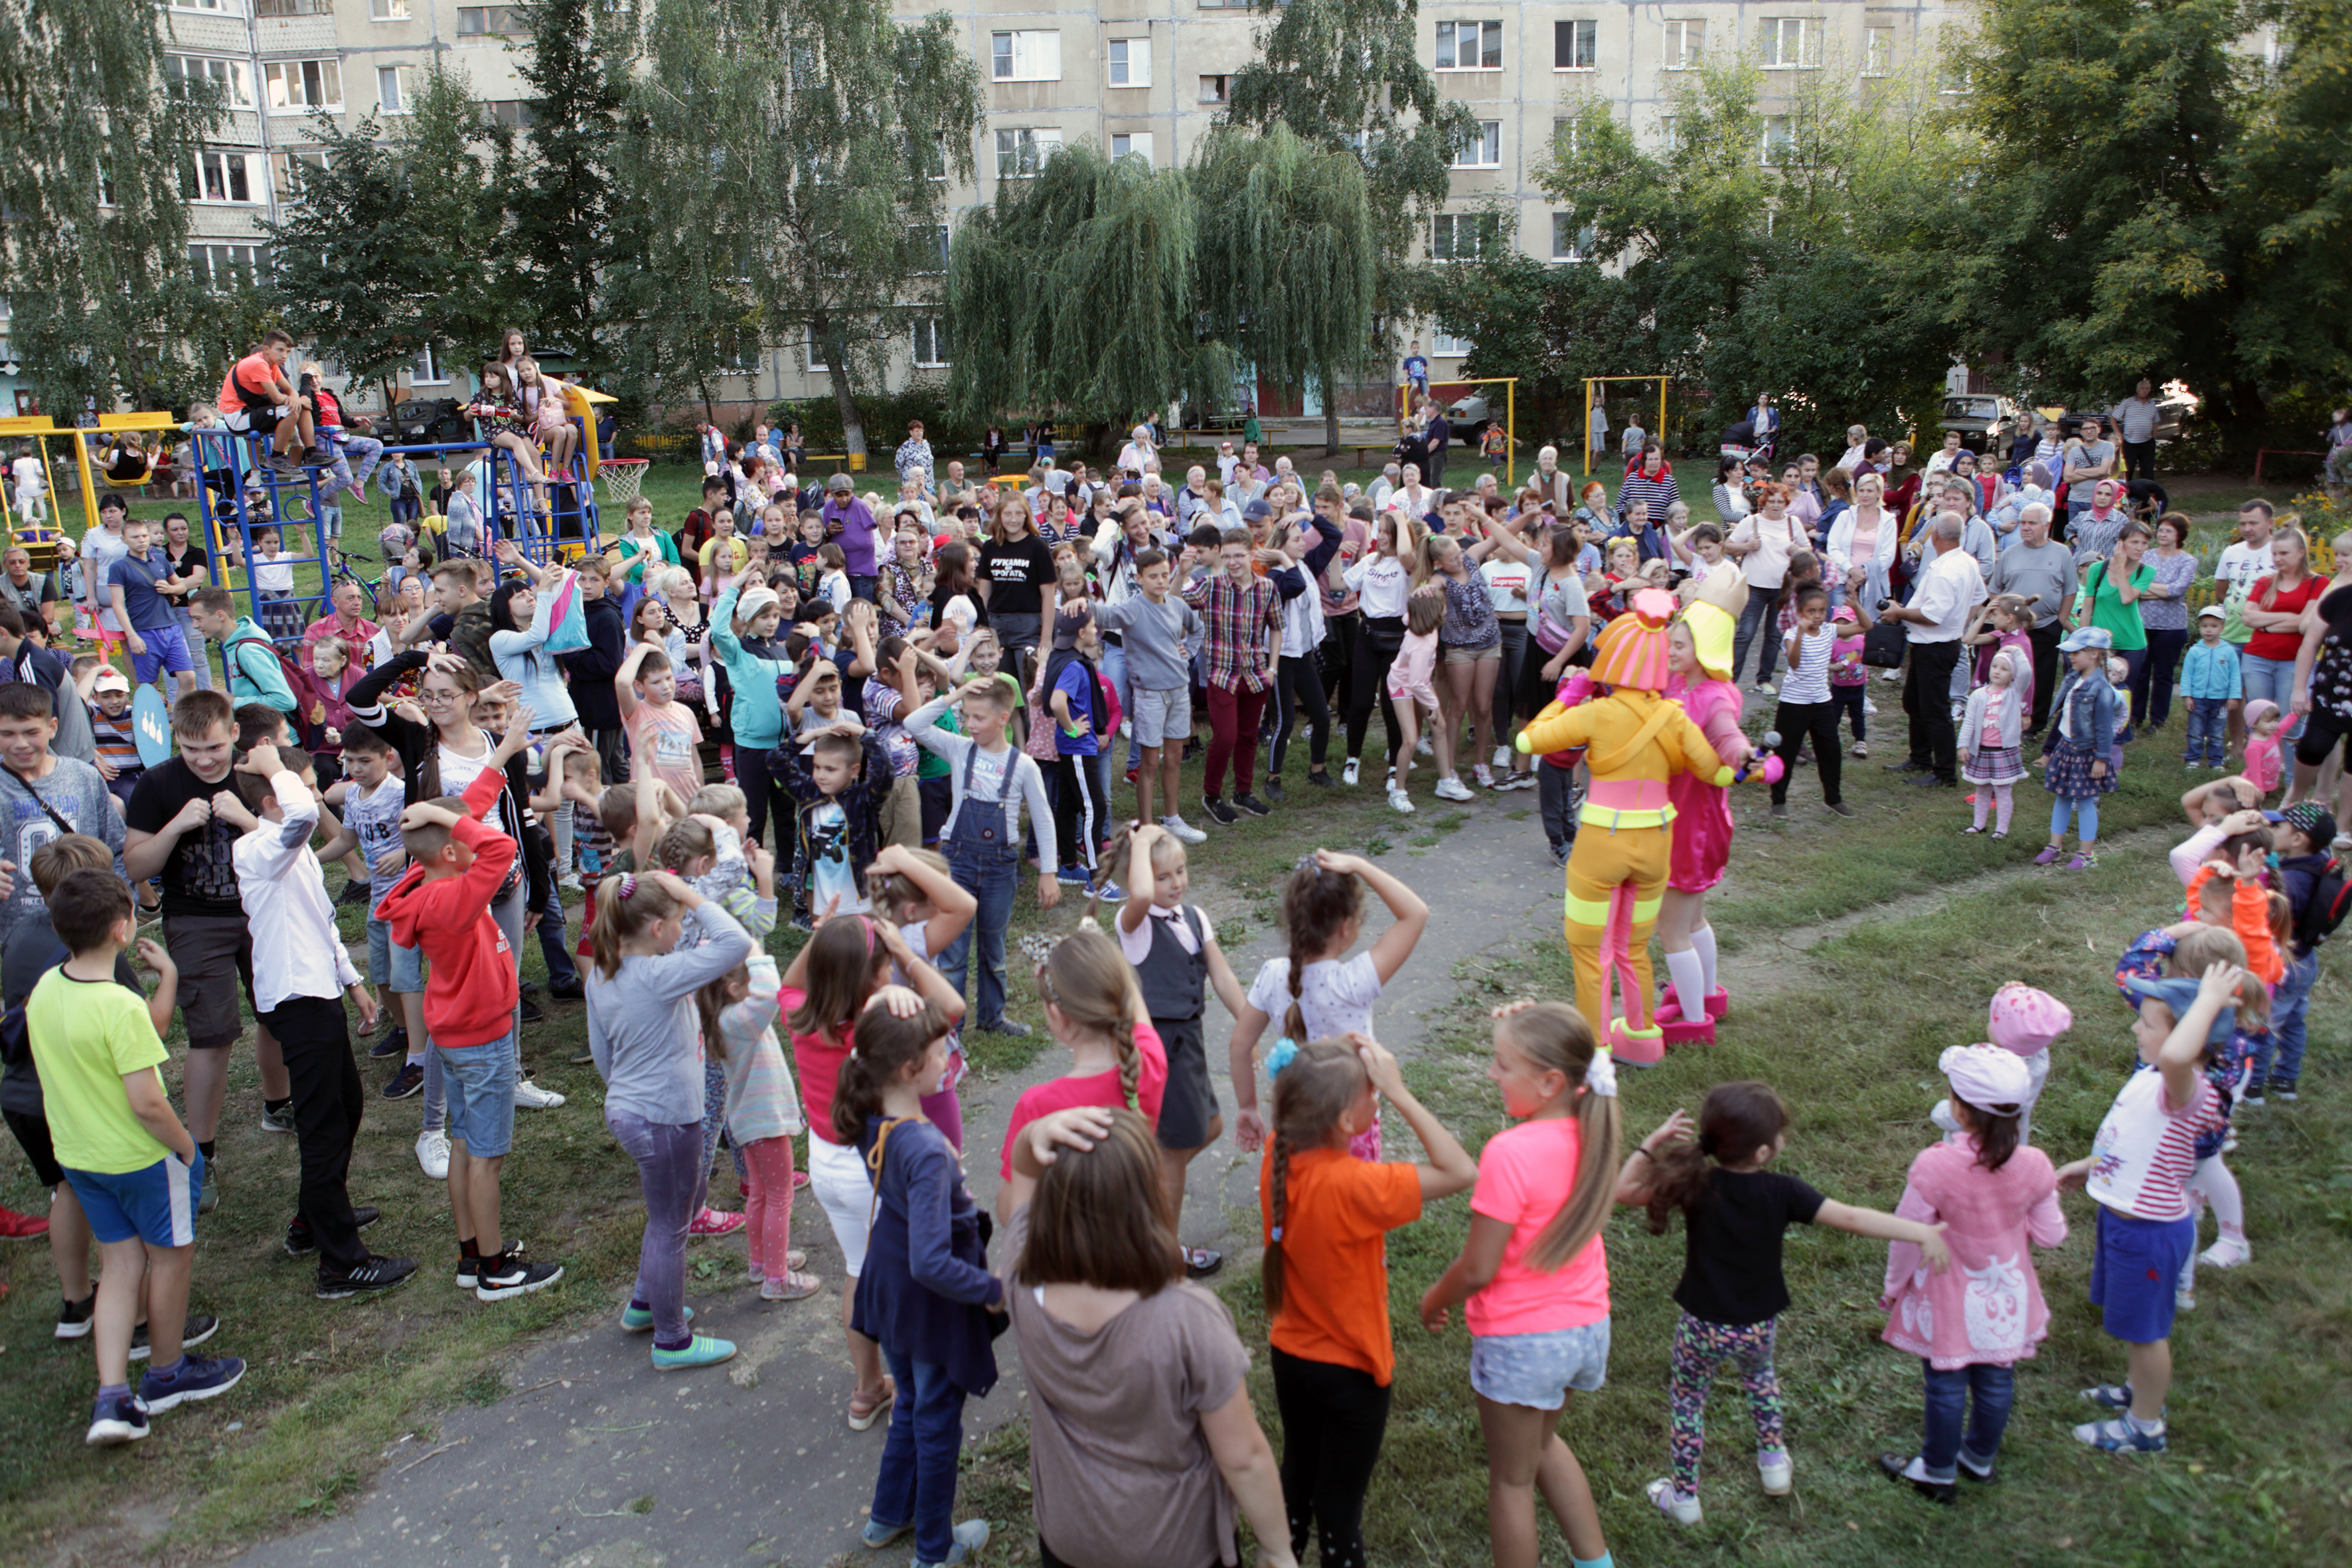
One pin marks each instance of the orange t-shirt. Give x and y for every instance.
(1336, 1212)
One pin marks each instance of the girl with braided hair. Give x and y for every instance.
(1318, 992)
(1327, 1216)
(1094, 1008)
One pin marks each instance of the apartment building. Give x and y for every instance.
(1144, 78)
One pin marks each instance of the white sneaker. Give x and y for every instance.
(1672, 1504)
(1501, 757)
(433, 1153)
(571, 881)
(2228, 1252)
(1349, 774)
(1890, 676)
(1179, 828)
(1764, 689)
(1485, 778)
(1869, 704)
(1775, 1469)
(1400, 801)
(529, 1096)
(1861, 749)
(1452, 789)
(1423, 748)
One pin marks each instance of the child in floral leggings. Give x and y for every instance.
(1734, 1212)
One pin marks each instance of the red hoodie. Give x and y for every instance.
(469, 996)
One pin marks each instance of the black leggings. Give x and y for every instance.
(1817, 722)
(760, 791)
(1333, 1418)
(1337, 658)
(1376, 649)
(1299, 681)
(2321, 731)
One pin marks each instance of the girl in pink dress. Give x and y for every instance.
(1698, 667)
(1971, 1324)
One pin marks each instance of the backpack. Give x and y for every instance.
(2325, 907)
(289, 675)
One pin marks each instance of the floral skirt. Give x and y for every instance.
(2068, 775)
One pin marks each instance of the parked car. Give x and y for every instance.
(1985, 420)
(1468, 417)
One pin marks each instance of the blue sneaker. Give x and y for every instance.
(199, 1377)
(116, 1421)
(1071, 876)
(2120, 1436)
(1109, 891)
(700, 1351)
(970, 1537)
(877, 1535)
(636, 1320)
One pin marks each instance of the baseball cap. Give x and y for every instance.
(2177, 992)
(2312, 820)
(2214, 612)
(110, 678)
(1256, 512)
(1068, 625)
(2086, 638)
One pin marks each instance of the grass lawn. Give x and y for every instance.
(1847, 1027)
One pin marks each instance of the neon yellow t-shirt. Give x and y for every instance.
(88, 1035)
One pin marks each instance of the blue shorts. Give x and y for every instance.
(481, 1084)
(2134, 1270)
(167, 649)
(156, 1205)
(388, 964)
(1538, 1370)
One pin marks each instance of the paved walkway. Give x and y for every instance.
(600, 1463)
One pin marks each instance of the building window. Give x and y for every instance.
(1878, 51)
(1026, 56)
(476, 25)
(425, 371)
(297, 166)
(1670, 132)
(387, 10)
(223, 267)
(1445, 345)
(817, 363)
(1464, 236)
(1131, 62)
(392, 89)
(1469, 46)
(1022, 151)
(216, 7)
(1569, 243)
(236, 87)
(1780, 141)
(1575, 46)
(229, 179)
(1684, 41)
(1565, 140)
(291, 8)
(1216, 89)
(1484, 151)
(930, 344)
(1131, 144)
(929, 244)
(295, 86)
(1787, 43)
(513, 111)
(1952, 77)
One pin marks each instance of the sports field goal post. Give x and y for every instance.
(1511, 385)
(1584, 437)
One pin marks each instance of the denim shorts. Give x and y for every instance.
(1538, 1370)
(388, 964)
(156, 1205)
(481, 1085)
(2133, 1270)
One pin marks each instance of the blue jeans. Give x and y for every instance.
(2272, 678)
(2288, 1005)
(560, 969)
(1761, 614)
(1948, 1401)
(917, 1483)
(989, 872)
(2209, 728)
(673, 1179)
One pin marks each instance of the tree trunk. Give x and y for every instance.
(853, 431)
(1330, 415)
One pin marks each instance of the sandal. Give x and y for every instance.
(860, 1421)
(793, 1286)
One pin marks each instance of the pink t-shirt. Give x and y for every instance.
(664, 739)
(2262, 766)
(1095, 1089)
(1525, 1173)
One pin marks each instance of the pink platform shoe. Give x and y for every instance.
(1636, 1047)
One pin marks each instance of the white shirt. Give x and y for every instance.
(1506, 584)
(1383, 582)
(274, 573)
(1939, 460)
(1767, 565)
(297, 950)
(31, 482)
(1335, 996)
(1950, 587)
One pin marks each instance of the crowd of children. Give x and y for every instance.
(896, 754)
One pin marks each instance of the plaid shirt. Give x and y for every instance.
(1243, 624)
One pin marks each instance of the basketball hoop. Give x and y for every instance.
(622, 475)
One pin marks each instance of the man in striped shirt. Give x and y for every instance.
(1242, 613)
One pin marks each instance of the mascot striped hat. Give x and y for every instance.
(1632, 648)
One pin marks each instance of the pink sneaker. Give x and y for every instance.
(715, 1222)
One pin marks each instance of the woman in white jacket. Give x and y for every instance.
(1864, 535)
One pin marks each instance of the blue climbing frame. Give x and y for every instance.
(240, 455)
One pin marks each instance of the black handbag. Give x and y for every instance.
(1883, 644)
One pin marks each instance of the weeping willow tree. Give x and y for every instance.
(1288, 259)
(792, 160)
(1076, 291)
(95, 160)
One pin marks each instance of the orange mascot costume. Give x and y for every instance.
(1635, 741)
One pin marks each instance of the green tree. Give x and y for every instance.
(577, 66)
(797, 154)
(1288, 257)
(1076, 291)
(1344, 74)
(95, 160)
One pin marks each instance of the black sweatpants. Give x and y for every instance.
(761, 794)
(1376, 649)
(1816, 722)
(315, 1038)
(2044, 641)
(1928, 699)
(1333, 1418)
(1081, 808)
(1299, 682)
